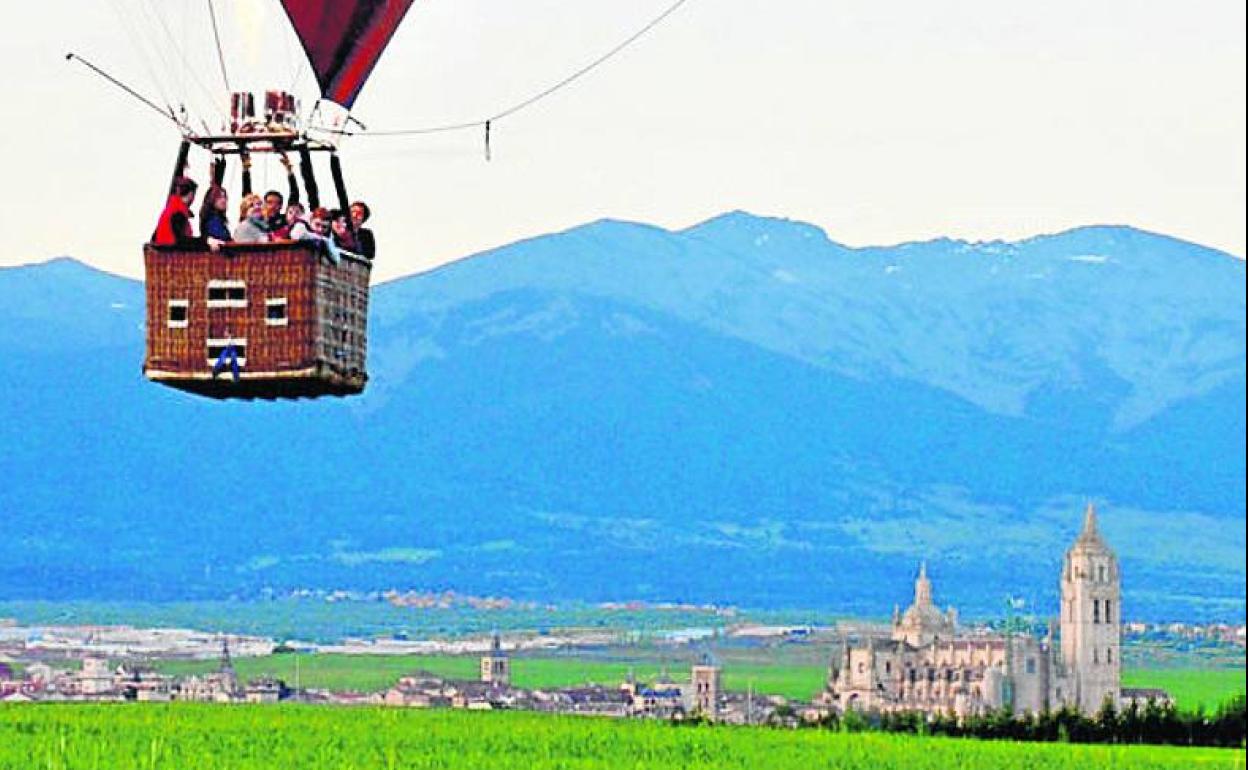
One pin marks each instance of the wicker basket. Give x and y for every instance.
(266, 320)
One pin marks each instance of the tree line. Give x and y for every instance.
(1152, 723)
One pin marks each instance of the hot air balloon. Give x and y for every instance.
(278, 319)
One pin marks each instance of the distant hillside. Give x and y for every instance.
(744, 411)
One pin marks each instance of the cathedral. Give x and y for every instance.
(926, 665)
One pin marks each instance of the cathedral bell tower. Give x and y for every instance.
(1091, 619)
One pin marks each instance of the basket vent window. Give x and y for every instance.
(275, 312)
(179, 313)
(227, 294)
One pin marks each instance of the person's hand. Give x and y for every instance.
(246, 161)
(285, 162)
(214, 244)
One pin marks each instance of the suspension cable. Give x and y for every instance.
(153, 12)
(216, 35)
(128, 24)
(167, 115)
(530, 101)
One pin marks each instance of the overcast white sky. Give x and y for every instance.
(880, 122)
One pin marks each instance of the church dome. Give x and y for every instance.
(922, 621)
(923, 616)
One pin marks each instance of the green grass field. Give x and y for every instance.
(363, 673)
(211, 737)
(367, 673)
(1190, 687)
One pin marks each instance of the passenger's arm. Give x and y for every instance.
(290, 181)
(344, 203)
(309, 178)
(246, 173)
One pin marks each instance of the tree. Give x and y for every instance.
(1131, 724)
(1067, 720)
(1151, 723)
(1107, 721)
(854, 721)
(1045, 726)
(1229, 722)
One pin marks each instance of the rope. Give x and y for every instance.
(167, 115)
(216, 35)
(153, 11)
(587, 68)
(129, 26)
(164, 59)
(485, 122)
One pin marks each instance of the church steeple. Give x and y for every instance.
(1090, 533)
(1089, 520)
(922, 587)
(225, 664)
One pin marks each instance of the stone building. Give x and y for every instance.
(701, 696)
(1091, 622)
(926, 665)
(95, 678)
(704, 688)
(220, 686)
(661, 699)
(141, 682)
(265, 689)
(495, 665)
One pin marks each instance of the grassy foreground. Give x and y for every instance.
(211, 737)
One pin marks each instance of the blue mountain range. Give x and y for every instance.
(741, 412)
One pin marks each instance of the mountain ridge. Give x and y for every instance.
(69, 260)
(622, 394)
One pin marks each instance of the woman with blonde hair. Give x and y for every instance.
(252, 227)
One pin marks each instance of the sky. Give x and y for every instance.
(879, 122)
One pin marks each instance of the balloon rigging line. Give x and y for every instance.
(127, 24)
(216, 35)
(164, 58)
(587, 68)
(186, 68)
(485, 122)
(167, 115)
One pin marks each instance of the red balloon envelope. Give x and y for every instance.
(344, 39)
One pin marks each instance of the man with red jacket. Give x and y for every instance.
(174, 227)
